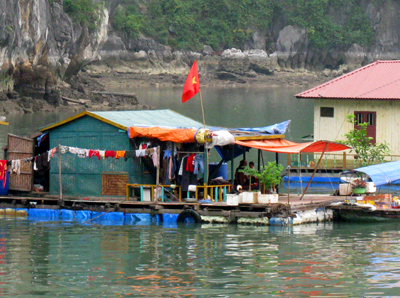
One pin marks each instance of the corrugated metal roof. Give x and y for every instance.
(149, 117)
(378, 80)
(124, 119)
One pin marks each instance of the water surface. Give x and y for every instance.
(56, 259)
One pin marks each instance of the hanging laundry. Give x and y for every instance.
(16, 166)
(64, 149)
(190, 163)
(94, 153)
(198, 164)
(3, 172)
(102, 153)
(154, 157)
(141, 153)
(109, 153)
(119, 154)
(82, 153)
(129, 154)
(73, 150)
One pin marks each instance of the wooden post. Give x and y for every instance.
(344, 160)
(157, 173)
(315, 170)
(59, 172)
(232, 166)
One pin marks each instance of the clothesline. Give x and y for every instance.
(43, 159)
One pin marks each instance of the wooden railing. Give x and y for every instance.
(341, 161)
(147, 192)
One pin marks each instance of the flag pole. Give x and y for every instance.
(202, 109)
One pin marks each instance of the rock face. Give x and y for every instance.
(42, 50)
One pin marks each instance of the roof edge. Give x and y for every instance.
(80, 115)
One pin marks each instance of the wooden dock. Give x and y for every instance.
(285, 208)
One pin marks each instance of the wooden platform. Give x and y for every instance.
(286, 207)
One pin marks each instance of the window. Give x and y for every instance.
(327, 112)
(359, 118)
(370, 119)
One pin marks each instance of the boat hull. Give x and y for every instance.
(364, 214)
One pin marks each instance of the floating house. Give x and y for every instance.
(105, 154)
(370, 93)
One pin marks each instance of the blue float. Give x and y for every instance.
(170, 220)
(67, 215)
(108, 219)
(83, 215)
(138, 219)
(43, 214)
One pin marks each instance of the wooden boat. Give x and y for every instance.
(379, 207)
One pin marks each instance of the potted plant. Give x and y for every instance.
(270, 177)
(358, 186)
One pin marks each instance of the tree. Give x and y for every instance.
(360, 143)
(269, 175)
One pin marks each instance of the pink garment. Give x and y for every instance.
(155, 158)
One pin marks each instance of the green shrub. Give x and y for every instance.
(86, 12)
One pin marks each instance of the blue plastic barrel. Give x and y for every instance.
(66, 214)
(222, 171)
(43, 214)
(137, 219)
(108, 219)
(4, 187)
(170, 220)
(83, 215)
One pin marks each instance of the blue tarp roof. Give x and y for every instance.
(278, 128)
(382, 174)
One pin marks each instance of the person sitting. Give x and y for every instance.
(240, 177)
(253, 180)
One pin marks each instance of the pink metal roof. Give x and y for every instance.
(378, 80)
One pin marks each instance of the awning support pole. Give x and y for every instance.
(157, 173)
(59, 172)
(232, 166)
(315, 170)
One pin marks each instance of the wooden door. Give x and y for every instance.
(21, 148)
(370, 118)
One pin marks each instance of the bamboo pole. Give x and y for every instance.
(157, 174)
(59, 172)
(315, 170)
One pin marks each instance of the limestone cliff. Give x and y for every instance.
(42, 50)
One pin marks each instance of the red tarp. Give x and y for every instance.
(284, 146)
(177, 135)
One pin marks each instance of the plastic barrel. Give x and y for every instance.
(83, 215)
(66, 214)
(43, 214)
(169, 220)
(222, 171)
(108, 219)
(137, 219)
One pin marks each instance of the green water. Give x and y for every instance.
(61, 259)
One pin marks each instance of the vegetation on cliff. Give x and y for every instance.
(189, 24)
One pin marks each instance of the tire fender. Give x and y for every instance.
(189, 213)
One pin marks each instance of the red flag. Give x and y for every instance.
(192, 84)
